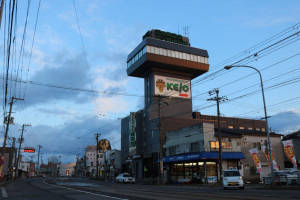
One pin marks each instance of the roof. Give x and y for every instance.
(243, 132)
(167, 45)
(292, 135)
(202, 156)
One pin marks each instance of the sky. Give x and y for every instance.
(75, 47)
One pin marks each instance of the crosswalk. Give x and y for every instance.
(4, 194)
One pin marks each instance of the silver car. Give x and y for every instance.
(125, 178)
(232, 179)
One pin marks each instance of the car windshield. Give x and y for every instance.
(231, 173)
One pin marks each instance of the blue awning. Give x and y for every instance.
(203, 156)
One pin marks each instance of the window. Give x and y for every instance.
(180, 55)
(258, 129)
(230, 127)
(92, 164)
(256, 145)
(238, 143)
(140, 53)
(241, 127)
(165, 52)
(151, 49)
(215, 145)
(245, 143)
(184, 56)
(172, 150)
(156, 50)
(263, 129)
(144, 50)
(253, 170)
(195, 147)
(250, 129)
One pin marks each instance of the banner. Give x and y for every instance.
(289, 151)
(267, 156)
(256, 160)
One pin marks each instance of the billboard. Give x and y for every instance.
(104, 145)
(172, 87)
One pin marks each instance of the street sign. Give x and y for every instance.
(29, 150)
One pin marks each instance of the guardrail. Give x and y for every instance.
(282, 180)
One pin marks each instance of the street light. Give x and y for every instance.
(265, 109)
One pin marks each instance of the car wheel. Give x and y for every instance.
(224, 188)
(242, 188)
(123, 181)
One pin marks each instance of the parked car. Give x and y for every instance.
(232, 179)
(293, 177)
(125, 178)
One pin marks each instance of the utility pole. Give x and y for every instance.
(97, 139)
(20, 140)
(218, 99)
(1, 12)
(7, 127)
(8, 122)
(38, 167)
(11, 158)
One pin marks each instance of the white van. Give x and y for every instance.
(232, 179)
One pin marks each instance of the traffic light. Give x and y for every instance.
(29, 150)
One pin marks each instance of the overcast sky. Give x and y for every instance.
(62, 67)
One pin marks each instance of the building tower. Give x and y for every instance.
(167, 63)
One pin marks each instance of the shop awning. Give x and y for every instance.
(203, 156)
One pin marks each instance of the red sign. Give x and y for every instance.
(29, 150)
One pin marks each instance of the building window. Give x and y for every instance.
(215, 145)
(250, 129)
(263, 129)
(172, 150)
(256, 145)
(253, 170)
(245, 143)
(230, 127)
(241, 127)
(238, 143)
(258, 129)
(195, 147)
(92, 164)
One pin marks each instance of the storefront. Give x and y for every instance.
(198, 167)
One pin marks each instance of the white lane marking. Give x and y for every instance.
(4, 194)
(85, 191)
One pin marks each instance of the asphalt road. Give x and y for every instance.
(76, 188)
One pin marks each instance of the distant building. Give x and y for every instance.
(10, 161)
(67, 169)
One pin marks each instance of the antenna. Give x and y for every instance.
(186, 31)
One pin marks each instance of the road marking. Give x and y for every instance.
(4, 194)
(86, 192)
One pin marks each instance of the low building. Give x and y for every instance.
(9, 162)
(67, 169)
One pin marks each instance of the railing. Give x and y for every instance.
(287, 180)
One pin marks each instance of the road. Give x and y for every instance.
(79, 189)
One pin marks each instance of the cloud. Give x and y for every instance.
(64, 70)
(285, 122)
(69, 139)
